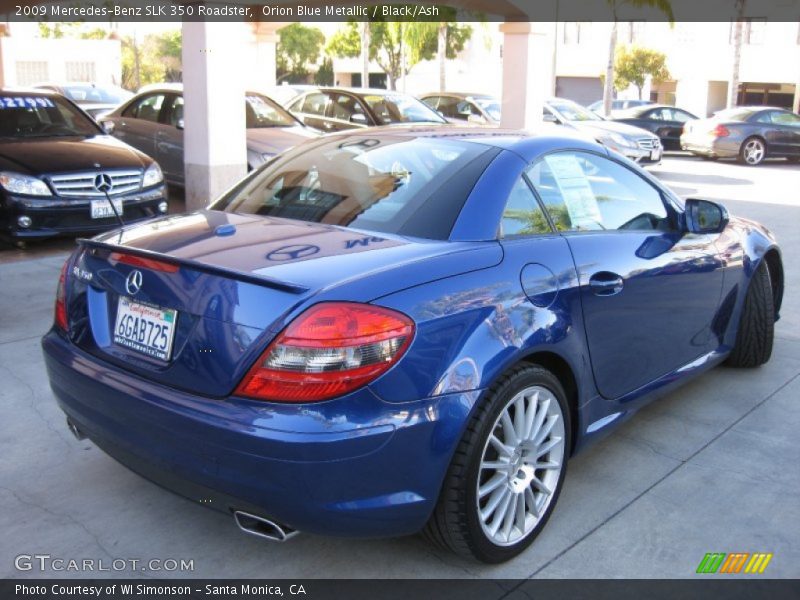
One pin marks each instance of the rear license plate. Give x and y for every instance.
(144, 328)
(101, 209)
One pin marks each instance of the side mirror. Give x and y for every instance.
(476, 119)
(108, 126)
(704, 216)
(179, 124)
(358, 118)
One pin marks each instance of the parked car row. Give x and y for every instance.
(49, 124)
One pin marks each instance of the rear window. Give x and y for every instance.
(387, 184)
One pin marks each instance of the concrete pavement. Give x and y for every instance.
(710, 468)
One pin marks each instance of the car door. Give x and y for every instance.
(649, 290)
(670, 131)
(781, 131)
(139, 122)
(169, 140)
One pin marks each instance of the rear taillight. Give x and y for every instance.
(146, 263)
(61, 298)
(720, 131)
(329, 350)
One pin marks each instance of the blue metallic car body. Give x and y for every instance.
(371, 463)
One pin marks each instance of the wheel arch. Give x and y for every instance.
(772, 258)
(557, 365)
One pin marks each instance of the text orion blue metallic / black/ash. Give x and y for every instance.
(403, 330)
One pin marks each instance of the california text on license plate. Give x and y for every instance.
(144, 328)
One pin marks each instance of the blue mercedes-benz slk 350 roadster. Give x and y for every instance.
(403, 329)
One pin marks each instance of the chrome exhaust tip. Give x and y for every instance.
(79, 435)
(263, 528)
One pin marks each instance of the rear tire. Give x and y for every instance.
(754, 339)
(521, 480)
(753, 151)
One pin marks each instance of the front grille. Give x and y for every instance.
(648, 143)
(85, 184)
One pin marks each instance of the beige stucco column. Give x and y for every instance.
(215, 154)
(260, 72)
(691, 93)
(527, 73)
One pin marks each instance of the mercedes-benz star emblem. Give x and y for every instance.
(133, 282)
(102, 183)
(293, 252)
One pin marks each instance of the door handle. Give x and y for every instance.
(606, 283)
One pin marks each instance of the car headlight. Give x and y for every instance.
(152, 175)
(23, 184)
(615, 139)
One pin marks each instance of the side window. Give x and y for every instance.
(314, 104)
(522, 214)
(343, 107)
(432, 101)
(585, 192)
(448, 106)
(681, 116)
(764, 117)
(296, 105)
(147, 109)
(176, 111)
(659, 114)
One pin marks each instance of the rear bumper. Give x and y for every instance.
(354, 466)
(709, 146)
(62, 216)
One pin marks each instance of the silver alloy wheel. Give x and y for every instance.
(520, 466)
(754, 152)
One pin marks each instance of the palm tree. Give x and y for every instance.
(738, 27)
(663, 5)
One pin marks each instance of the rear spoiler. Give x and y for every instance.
(285, 286)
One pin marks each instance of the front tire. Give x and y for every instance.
(508, 469)
(754, 338)
(753, 151)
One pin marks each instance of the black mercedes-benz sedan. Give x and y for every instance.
(60, 172)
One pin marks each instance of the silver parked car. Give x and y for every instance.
(747, 133)
(96, 99)
(152, 121)
(637, 144)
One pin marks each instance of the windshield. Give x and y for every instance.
(23, 116)
(96, 94)
(263, 112)
(382, 184)
(571, 111)
(399, 108)
(490, 106)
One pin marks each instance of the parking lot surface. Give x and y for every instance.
(712, 467)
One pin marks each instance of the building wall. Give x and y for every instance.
(28, 60)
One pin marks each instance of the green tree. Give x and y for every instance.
(389, 41)
(298, 46)
(634, 64)
(608, 85)
(168, 46)
(324, 75)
